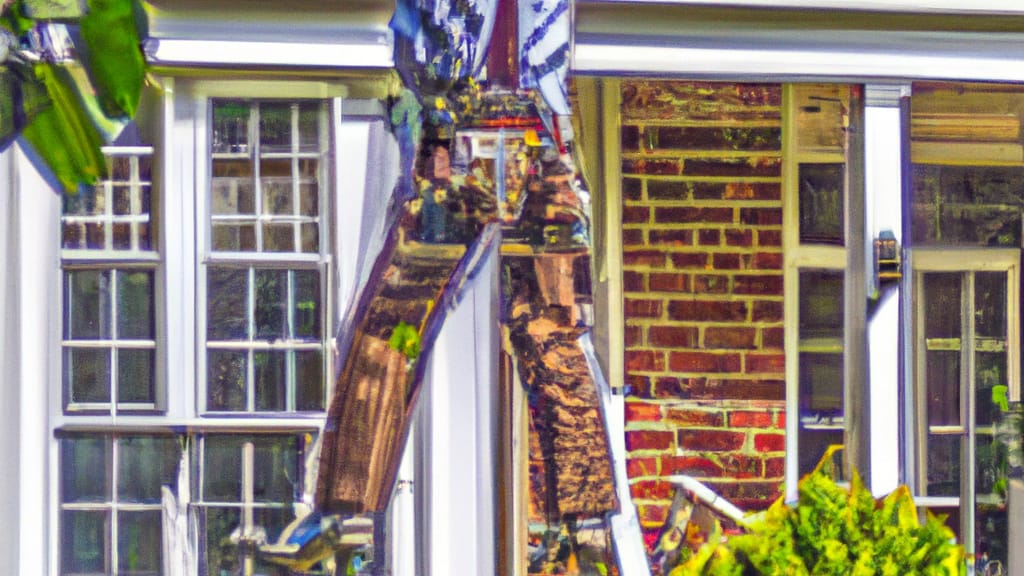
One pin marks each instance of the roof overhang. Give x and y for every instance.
(297, 34)
(895, 40)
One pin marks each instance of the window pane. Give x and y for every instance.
(309, 197)
(85, 469)
(309, 381)
(277, 195)
(88, 304)
(221, 554)
(227, 309)
(943, 465)
(135, 305)
(279, 237)
(234, 237)
(821, 386)
(967, 205)
(307, 304)
(821, 203)
(992, 534)
(310, 237)
(271, 304)
(84, 542)
(275, 127)
(942, 304)
(991, 384)
(990, 305)
(225, 382)
(139, 543)
(222, 469)
(276, 473)
(813, 444)
(230, 126)
(271, 380)
(87, 374)
(309, 127)
(273, 520)
(232, 188)
(942, 374)
(146, 464)
(136, 376)
(821, 304)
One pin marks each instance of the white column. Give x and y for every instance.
(457, 431)
(10, 423)
(883, 136)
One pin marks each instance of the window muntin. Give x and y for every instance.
(267, 166)
(246, 488)
(109, 297)
(264, 278)
(110, 502)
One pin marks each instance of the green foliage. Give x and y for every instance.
(113, 56)
(406, 339)
(835, 531)
(63, 135)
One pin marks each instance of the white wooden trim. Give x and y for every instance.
(611, 98)
(236, 53)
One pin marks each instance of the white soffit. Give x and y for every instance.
(295, 33)
(696, 39)
(924, 6)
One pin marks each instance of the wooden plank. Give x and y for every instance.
(965, 127)
(926, 152)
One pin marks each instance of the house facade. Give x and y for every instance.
(806, 229)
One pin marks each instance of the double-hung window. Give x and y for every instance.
(110, 266)
(264, 271)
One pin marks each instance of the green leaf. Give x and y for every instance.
(63, 136)
(15, 20)
(113, 55)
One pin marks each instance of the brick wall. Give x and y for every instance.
(702, 253)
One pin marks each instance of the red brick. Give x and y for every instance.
(636, 467)
(643, 412)
(710, 440)
(707, 190)
(764, 311)
(734, 389)
(642, 308)
(639, 386)
(652, 258)
(689, 214)
(693, 417)
(648, 440)
(764, 363)
(710, 284)
(729, 337)
(749, 191)
(780, 420)
(703, 362)
(634, 336)
(761, 216)
(770, 442)
(652, 515)
(636, 215)
(632, 189)
(709, 238)
(704, 311)
(749, 419)
(632, 237)
(726, 261)
(774, 467)
(663, 237)
(633, 281)
(668, 387)
(772, 338)
(733, 167)
(672, 336)
(651, 167)
(754, 491)
(742, 466)
(645, 361)
(651, 490)
(670, 282)
(768, 261)
(769, 238)
(690, 260)
(737, 237)
(630, 139)
(758, 285)
(667, 190)
(691, 466)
